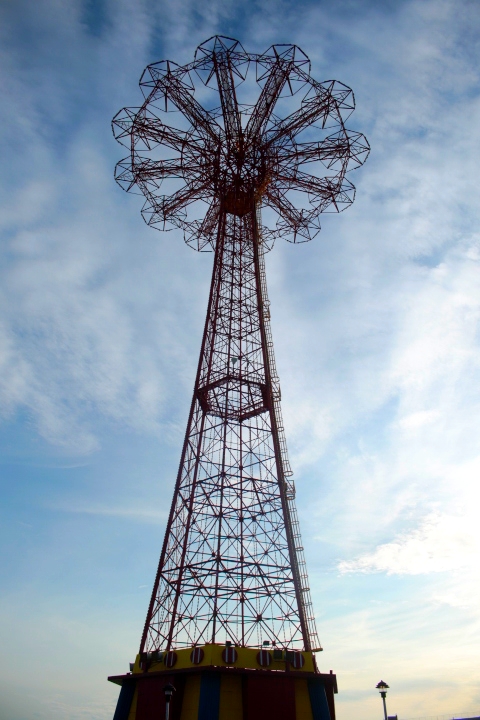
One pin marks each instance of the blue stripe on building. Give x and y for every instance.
(124, 701)
(209, 704)
(318, 700)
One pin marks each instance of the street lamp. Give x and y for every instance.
(382, 689)
(168, 689)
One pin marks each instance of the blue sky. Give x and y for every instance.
(376, 328)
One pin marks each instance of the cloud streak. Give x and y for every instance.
(440, 544)
(139, 514)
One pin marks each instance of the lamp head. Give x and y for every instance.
(382, 688)
(168, 689)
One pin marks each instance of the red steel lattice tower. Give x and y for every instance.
(232, 566)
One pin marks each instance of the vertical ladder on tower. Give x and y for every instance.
(287, 470)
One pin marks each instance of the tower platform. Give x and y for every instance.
(221, 682)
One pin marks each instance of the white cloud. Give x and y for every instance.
(418, 419)
(440, 544)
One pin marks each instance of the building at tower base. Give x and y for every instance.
(223, 682)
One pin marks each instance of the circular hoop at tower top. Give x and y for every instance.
(221, 46)
(227, 155)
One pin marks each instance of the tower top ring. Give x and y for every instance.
(247, 130)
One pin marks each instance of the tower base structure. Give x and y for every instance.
(223, 682)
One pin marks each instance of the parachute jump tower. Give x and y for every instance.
(230, 623)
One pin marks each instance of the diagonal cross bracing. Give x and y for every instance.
(226, 570)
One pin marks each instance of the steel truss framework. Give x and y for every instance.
(232, 564)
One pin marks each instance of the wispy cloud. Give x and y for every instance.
(441, 543)
(139, 514)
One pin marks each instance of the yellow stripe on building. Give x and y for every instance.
(231, 707)
(303, 708)
(133, 707)
(191, 698)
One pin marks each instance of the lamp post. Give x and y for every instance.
(168, 690)
(382, 689)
